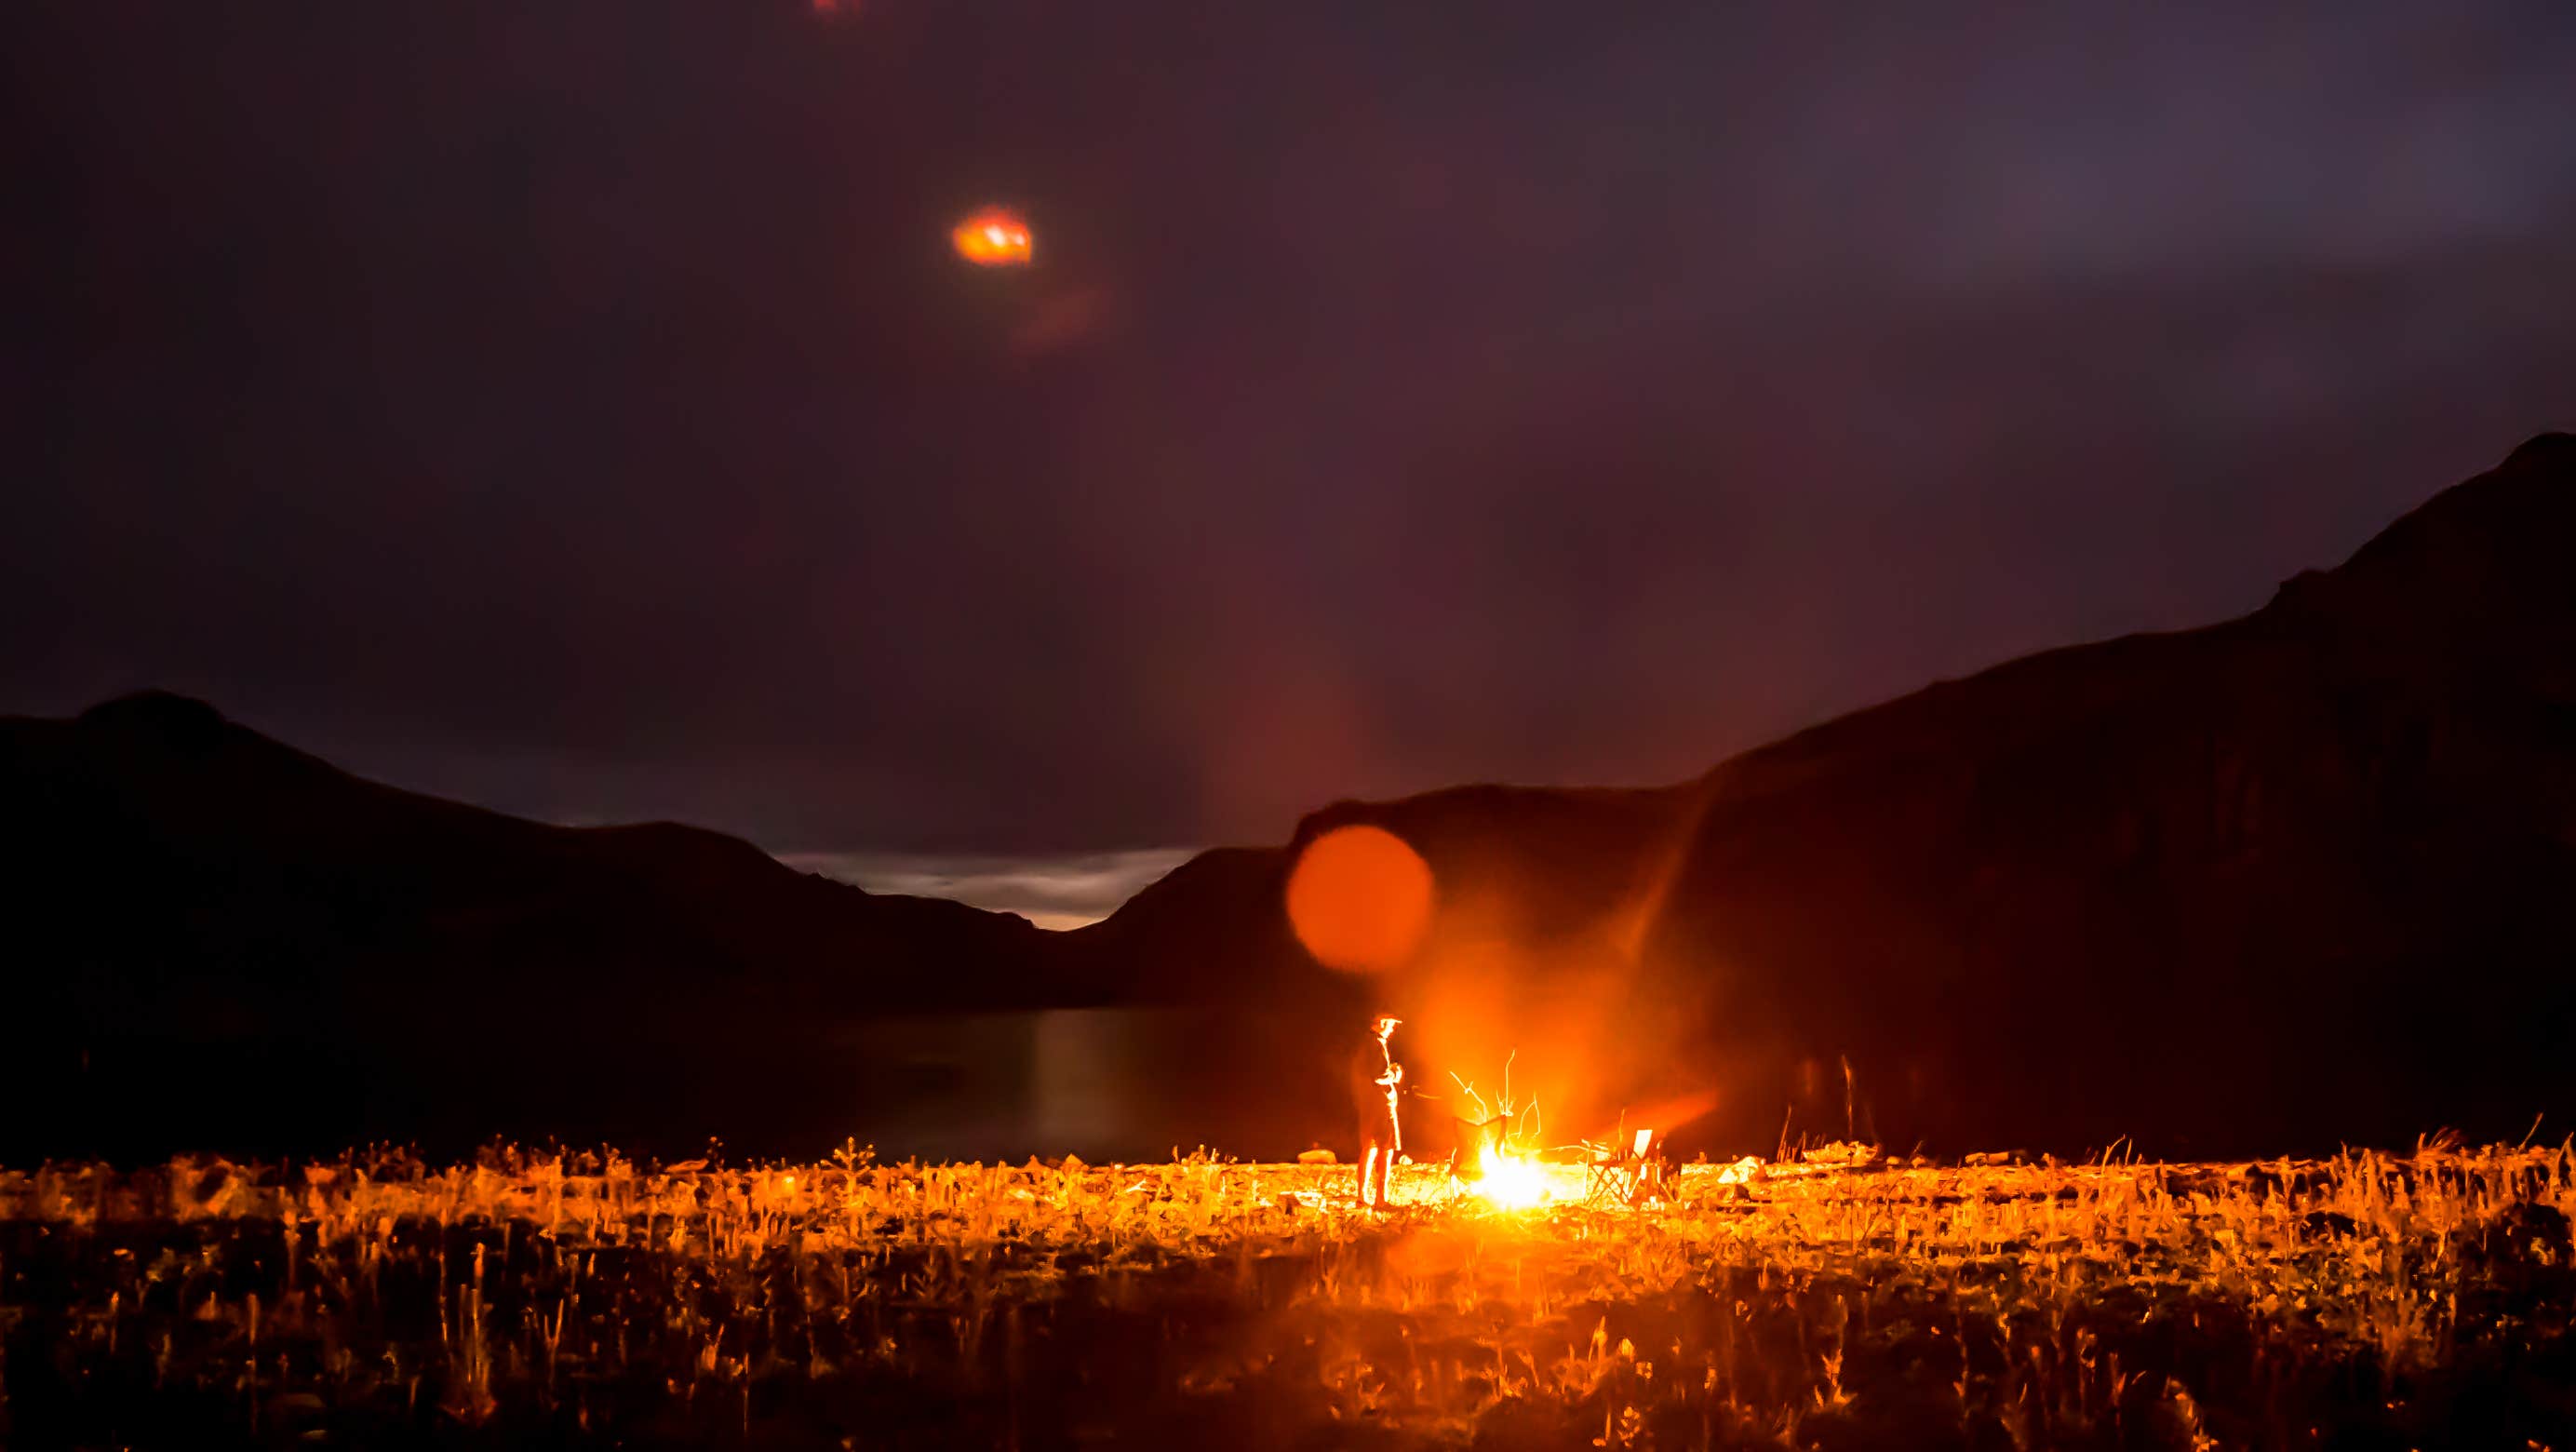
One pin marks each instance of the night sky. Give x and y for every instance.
(577, 407)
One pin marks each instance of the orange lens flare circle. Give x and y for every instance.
(994, 237)
(1360, 899)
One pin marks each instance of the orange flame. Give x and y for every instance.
(1512, 1182)
(993, 237)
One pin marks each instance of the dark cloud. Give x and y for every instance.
(576, 408)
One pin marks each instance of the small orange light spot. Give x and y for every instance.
(993, 238)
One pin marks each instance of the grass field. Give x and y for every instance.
(2407, 1301)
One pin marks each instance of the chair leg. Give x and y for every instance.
(1647, 1184)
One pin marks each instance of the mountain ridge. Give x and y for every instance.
(2386, 746)
(2007, 905)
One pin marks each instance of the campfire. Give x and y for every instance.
(1492, 1167)
(1497, 1159)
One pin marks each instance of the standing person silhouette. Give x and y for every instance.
(1374, 1077)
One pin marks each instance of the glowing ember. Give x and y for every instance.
(994, 237)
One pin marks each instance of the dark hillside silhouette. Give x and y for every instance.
(2304, 877)
(218, 934)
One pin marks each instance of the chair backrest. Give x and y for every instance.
(1480, 1143)
(1645, 1142)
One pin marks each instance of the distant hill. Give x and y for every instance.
(2305, 875)
(233, 932)
(2301, 877)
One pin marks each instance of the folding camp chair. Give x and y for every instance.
(1629, 1170)
(1480, 1145)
